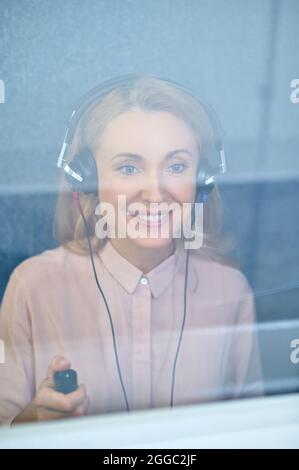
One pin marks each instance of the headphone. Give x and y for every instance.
(81, 172)
(82, 176)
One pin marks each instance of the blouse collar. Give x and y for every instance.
(159, 278)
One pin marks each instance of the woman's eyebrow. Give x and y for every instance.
(135, 156)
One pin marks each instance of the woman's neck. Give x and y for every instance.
(144, 259)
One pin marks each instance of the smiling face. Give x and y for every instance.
(150, 157)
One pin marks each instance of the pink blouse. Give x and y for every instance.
(52, 306)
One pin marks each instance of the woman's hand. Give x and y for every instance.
(49, 404)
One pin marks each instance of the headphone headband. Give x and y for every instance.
(126, 81)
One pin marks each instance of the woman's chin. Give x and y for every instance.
(150, 236)
(150, 242)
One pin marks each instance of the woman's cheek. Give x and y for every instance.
(184, 192)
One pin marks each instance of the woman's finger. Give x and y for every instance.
(57, 363)
(49, 398)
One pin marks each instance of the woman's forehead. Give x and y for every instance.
(141, 131)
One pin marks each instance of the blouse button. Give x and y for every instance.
(144, 281)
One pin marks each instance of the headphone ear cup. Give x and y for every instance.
(84, 164)
(204, 182)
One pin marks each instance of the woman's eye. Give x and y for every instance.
(128, 170)
(177, 168)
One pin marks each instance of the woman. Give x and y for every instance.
(149, 323)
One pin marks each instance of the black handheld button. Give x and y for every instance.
(65, 381)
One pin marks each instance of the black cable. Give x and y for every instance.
(105, 301)
(77, 199)
(182, 329)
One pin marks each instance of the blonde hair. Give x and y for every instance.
(147, 94)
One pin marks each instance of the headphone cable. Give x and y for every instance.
(76, 198)
(182, 329)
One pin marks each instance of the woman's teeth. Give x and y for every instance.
(149, 218)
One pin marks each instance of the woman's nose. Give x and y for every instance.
(153, 190)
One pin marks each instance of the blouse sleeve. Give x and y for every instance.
(246, 372)
(17, 367)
